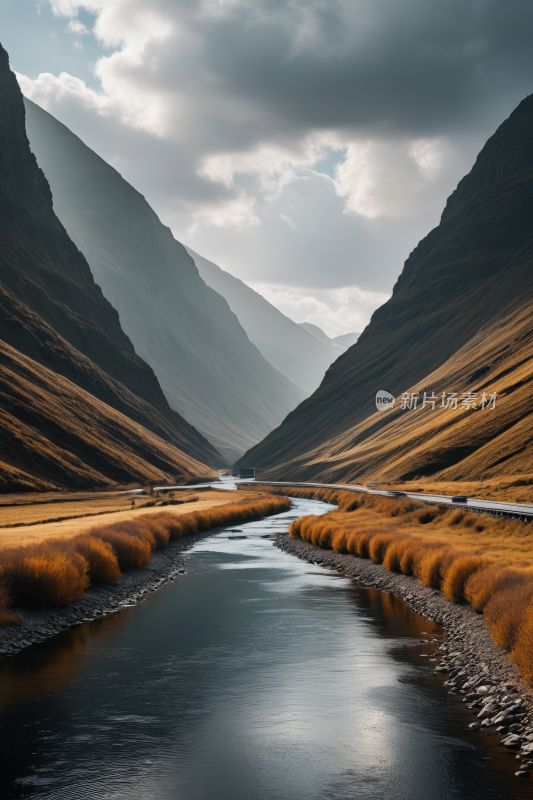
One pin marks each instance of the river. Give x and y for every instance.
(255, 676)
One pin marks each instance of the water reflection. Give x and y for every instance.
(50, 667)
(255, 676)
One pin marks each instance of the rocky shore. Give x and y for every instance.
(38, 624)
(477, 670)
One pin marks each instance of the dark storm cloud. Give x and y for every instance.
(212, 108)
(417, 65)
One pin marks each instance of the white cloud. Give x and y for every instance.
(428, 155)
(137, 31)
(50, 91)
(67, 8)
(275, 166)
(236, 212)
(388, 179)
(344, 310)
(375, 178)
(77, 28)
(289, 221)
(47, 89)
(253, 125)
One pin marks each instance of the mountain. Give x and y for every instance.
(289, 348)
(346, 339)
(315, 331)
(209, 370)
(60, 338)
(336, 344)
(460, 320)
(56, 435)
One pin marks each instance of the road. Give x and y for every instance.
(511, 510)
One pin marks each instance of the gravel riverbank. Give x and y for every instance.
(477, 670)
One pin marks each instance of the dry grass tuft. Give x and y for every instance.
(56, 572)
(428, 514)
(428, 562)
(490, 580)
(394, 555)
(377, 546)
(522, 652)
(506, 611)
(45, 575)
(458, 573)
(102, 562)
(130, 547)
(456, 517)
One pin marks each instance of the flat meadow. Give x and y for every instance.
(25, 520)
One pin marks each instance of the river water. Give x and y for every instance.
(256, 676)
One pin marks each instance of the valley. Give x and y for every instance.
(266, 520)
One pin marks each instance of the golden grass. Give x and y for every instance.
(43, 513)
(33, 534)
(56, 571)
(484, 561)
(36, 399)
(506, 540)
(35, 513)
(101, 557)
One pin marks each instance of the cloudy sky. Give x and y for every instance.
(303, 145)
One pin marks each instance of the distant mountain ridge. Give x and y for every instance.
(346, 339)
(291, 349)
(61, 340)
(209, 370)
(339, 343)
(460, 320)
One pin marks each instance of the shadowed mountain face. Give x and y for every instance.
(460, 320)
(205, 363)
(56, 320)
(292, 350)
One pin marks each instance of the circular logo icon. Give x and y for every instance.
(384, 400)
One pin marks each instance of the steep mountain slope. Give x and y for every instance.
(56, 435)
(460, 320)
(293, 351)
(209, 370)
(54, 314)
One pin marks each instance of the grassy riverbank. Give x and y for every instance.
(476, 559)
(54, 571)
